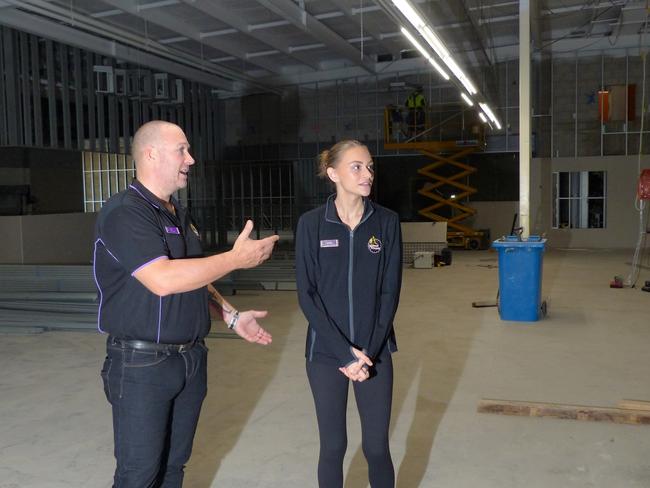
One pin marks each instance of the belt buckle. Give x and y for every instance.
(184, 347)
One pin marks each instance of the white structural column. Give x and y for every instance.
(524, 116)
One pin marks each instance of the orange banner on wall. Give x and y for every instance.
(617, 103)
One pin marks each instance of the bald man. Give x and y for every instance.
(154, 284)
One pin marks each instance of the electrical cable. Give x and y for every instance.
(361, 34)
(573, 31)
(639, 204)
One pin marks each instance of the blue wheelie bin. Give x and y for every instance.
(520, 278)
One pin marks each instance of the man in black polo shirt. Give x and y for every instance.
(153, 284)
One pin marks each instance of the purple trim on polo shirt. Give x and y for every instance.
(159, 317)
(143, 196)
(147, 263)
(99, 289)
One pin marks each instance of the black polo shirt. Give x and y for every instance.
(133, 230)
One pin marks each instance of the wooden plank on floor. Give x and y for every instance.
(564, 411)
(634, 404)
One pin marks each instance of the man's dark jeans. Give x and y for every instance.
(156, 398)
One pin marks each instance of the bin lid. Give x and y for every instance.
(515, 241)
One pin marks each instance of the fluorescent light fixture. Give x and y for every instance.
(442, 51)
(468, 100)
(490, 114)
(482, 117)
(468, 85)
(439, 69)
(424, 53)
(409, 12)
(455, 69)
(417, 45)
(436, 44)
(486, 108)
(434, 40)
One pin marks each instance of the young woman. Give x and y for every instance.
(348, 272)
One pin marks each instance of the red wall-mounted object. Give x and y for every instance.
(644, 185)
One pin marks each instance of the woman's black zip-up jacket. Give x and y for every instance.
(348, 281)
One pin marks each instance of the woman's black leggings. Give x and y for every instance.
(374, 398)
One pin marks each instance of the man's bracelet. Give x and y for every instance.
(233, 319)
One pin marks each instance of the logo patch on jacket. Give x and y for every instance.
(374, 245)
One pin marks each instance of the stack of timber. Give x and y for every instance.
(634, 412)
(46, 297)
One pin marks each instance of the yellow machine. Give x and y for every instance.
(448, 206)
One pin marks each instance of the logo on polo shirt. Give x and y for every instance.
(374, 245)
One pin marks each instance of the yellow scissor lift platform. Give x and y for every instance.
(447, 154)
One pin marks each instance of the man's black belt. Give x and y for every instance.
(151, 346)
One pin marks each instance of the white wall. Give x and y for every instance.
(496, 216)
(14, 176)
(47, 239)
(11, 244)
(622, 218)
(622, 229)
(424, 231)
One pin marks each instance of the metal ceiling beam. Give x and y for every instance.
(213, 8)
(568, 47)
(475, 33)
(535, 24)
(495, 5)
(161, 3)
(579, 5)
(106, 13)
(548, 12)
(312, 26)
(174, 24)
(484, 57)
(356, 16)
(57, 31)
(386, 70)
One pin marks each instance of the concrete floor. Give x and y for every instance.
(258, 428)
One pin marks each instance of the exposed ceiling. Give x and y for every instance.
(243, 45)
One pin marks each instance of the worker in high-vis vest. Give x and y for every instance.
(416, 103)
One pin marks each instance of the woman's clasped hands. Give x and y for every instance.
(358, 370)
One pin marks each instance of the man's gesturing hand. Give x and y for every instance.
(247, 327)
(250, 252)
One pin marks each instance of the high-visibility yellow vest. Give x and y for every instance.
(416, 100)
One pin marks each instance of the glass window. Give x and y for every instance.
(579, 199)
(104, 175)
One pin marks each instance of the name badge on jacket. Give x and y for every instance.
(329, 243)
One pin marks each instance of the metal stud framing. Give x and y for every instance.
(43, 75)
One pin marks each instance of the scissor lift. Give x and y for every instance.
(447, 155)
